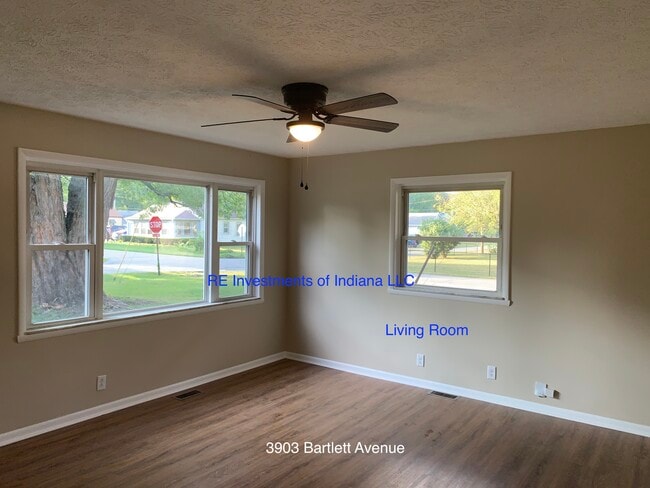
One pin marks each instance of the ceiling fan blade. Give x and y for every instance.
(291, 139)
(266, 103)
(361, 103)
(359, 123)
(246, 121)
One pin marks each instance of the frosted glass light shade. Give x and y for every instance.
(305, 131)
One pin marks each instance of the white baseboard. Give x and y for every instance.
(563, 413)
(76, 417)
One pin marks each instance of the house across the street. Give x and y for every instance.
(178, 222)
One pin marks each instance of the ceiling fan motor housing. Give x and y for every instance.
(304, 97)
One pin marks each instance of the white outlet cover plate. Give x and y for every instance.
(491, 372)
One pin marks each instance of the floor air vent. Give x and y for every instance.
(188, 394)
(446, 395)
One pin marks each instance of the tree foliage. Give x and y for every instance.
(140, 195)
(476, 211)
(426, 202)
(440, 228)
(232, 204)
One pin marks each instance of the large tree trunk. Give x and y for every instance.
(76, 218)
(59, 277)
(47, 215)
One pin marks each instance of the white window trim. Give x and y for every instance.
(30, 159)
(399, 185)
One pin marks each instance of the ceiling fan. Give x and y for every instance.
(307, 100)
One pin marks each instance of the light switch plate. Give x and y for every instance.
(419, 360)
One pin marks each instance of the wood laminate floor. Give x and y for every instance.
(219, 439)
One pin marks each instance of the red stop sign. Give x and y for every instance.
(155, 225)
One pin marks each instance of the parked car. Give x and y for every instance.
(114, 232)
(413, 242)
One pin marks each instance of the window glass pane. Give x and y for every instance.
(467, 213)
(59, 285)
(154, 248)
(453, 264)
(58, 208)
(233, 216)
(233, 262)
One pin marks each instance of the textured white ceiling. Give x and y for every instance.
(461, 70)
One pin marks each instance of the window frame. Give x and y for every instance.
(398, 241)
(249, 243)
(97, 169)
(88, 247)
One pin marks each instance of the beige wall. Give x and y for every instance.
(580, 320)
(44, 379)
(580, 266)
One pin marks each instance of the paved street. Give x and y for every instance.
(142, 262)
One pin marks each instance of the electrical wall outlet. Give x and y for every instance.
(491, 372)
(540, 389)
(419, 360)
(101, 382)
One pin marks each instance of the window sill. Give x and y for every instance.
(449, 296)
(107, 323)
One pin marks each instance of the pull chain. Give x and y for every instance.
(307, 169)
(304, 168)
(302, 164)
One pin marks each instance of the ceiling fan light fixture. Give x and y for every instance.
(305, 131)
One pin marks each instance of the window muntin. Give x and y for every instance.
(451, 235)
(101, 226)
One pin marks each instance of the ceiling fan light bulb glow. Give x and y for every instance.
(305, 131)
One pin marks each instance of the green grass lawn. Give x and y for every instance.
(174, 250)
(165, 289)
(133, 291)
(467, 265)
(169, 249)
(136, 291)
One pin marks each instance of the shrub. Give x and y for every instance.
(440, 228)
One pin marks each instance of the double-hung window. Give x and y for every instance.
(450, 236)
(235, 249)
(104, 242)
